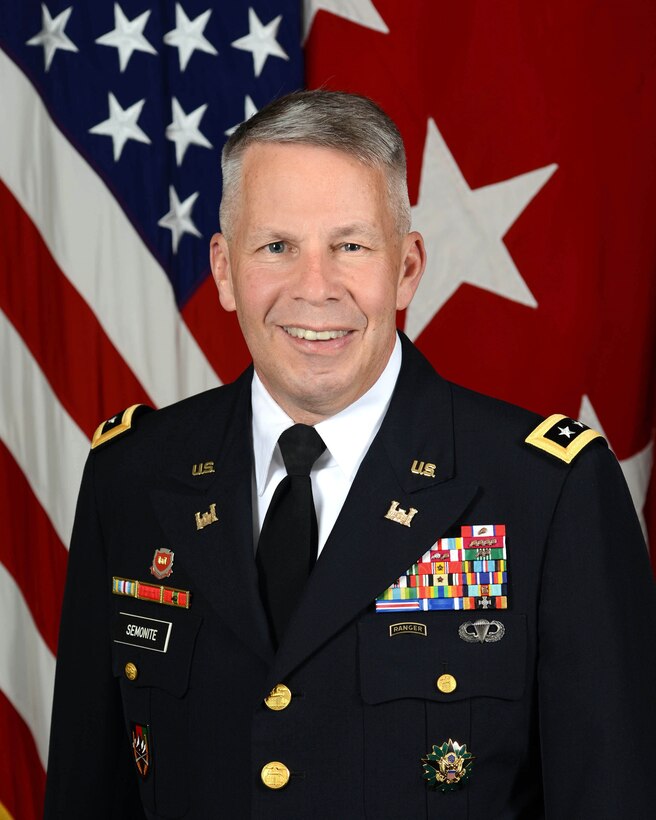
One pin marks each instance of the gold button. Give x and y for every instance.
(278, 698)
(275, 775)
(131, 671)
(446, 683)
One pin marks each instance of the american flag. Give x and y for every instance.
(530, 132)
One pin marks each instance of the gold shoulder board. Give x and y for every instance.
(118, 424)
(562, 436)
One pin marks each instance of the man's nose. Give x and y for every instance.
(316, 277)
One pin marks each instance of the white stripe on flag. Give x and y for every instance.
(96, 247)
(45, 441)
(27, 666)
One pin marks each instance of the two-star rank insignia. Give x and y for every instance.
(562, 436)
(118, 424)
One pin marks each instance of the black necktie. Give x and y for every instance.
(287, 548)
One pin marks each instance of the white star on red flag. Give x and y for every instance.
(362, 12)
(463, 230)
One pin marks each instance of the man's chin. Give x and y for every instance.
(318, 397)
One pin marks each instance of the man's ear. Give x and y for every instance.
(221, 272)
(413, 264)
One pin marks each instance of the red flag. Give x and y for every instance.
(530, 135)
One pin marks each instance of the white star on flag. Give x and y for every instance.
(261, 41)
(464, 230)
(127, 36)
(52, 35)
(249, 109)
(178, 219)
(184, 130)
(362, 12)
(121, 125)
(636, 468)
(187, 36)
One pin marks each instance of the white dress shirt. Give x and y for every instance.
(347, 436)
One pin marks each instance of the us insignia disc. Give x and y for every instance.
(162, 565)
(448, 766)
(141, 748)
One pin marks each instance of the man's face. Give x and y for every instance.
(316, 271)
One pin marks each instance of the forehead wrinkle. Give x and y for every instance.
(361, 229)
(268, 233)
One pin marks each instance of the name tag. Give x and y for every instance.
(146, 633)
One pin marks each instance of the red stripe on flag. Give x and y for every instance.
(22, 779)
(39, 567)
(89, 376)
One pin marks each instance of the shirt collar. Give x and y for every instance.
(347, 434)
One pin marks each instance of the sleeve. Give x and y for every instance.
(90, 770)
(597, 659)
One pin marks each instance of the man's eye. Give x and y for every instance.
(351, 246)
(276, 247)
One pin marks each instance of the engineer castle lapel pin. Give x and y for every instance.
(395, 513)
(206, 518)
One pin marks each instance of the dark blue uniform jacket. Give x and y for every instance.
(559, 714)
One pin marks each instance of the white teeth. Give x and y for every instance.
(315, 335)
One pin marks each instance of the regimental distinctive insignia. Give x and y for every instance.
(562, 436)
(448, 766)
(395, 513)
(118, 424)
(469, 572)
(424, 468)
(481, 631)
(204, 519)
(141, 748)
(162, 565)
(151, 592)
(203, 469)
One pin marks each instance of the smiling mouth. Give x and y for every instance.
(314, 335)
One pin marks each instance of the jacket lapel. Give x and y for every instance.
(367, 551)
(218, 557)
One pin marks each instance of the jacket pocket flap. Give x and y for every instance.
(152, 647)
(403, 656)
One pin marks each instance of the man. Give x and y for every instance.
(475, 639)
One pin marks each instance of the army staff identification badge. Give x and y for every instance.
(448, 766)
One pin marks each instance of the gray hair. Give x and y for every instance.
(345, 122)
